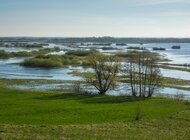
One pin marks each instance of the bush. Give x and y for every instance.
(35, 52)
(158, 49)
(176, 47)
(41, 62)
(4, 54)
(78, 88)
(51, 61)
(108, 48)
(34, 45)
(22, 54)
(136, 48)
(179, 96)
(80, 52)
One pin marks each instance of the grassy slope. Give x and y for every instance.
(39, 115)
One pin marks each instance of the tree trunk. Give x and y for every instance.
(102, 92)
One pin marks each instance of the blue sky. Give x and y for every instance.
(82, 18)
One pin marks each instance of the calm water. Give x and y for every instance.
(178, 56)
(14, 71)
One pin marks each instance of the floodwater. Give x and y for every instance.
(178, 56)
(10, 70)
(123, 89)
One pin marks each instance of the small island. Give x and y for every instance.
(158, 49)
(176, 47)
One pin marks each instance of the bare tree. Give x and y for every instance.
(105, 72)
(144, 74)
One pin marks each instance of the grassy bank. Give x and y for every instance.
(57, 115)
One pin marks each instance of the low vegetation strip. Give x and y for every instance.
(49, 61)
(43, 51)
(40, 62)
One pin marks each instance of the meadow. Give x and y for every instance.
(26, 114)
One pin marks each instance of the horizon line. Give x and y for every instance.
(86, 37)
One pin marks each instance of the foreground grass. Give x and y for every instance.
(55, 115)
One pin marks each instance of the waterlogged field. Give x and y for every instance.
(39, 102)
(11, 69)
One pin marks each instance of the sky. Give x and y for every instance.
(95, 18)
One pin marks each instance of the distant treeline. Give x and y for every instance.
(94, 39)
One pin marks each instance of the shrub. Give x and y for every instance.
(41, 62)
(34, 45)
(77, 88)
(80, 52)
(108, 48)
(158, 49)
(179, 96)
(51, 61)
(22, 54)
(4, 54)
(176, 47)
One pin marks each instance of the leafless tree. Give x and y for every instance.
(144, 74)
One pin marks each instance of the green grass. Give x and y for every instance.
(43, 62)
(57, 115)
(50, 61)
